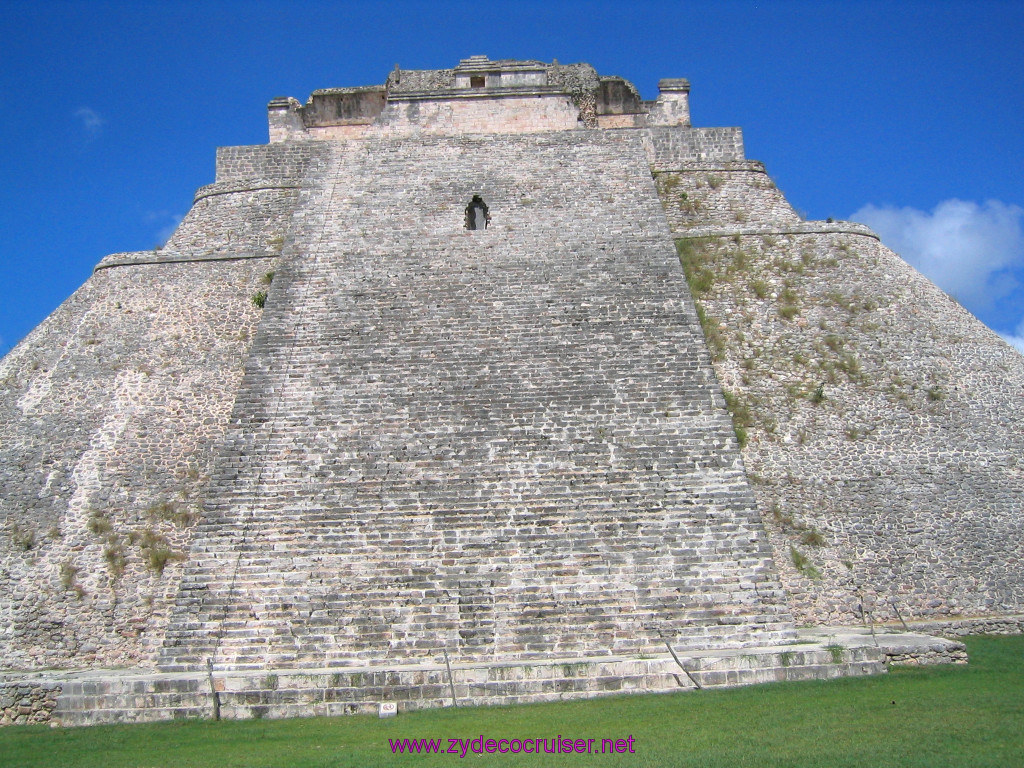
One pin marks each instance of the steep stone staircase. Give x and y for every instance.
(507, 444)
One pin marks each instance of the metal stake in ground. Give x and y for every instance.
(213, 689)
(900, 617)
(692, 678)
(451, 680)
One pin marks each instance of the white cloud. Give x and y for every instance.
(1017, 338)
(168, 221)
(92, 121)
(970, 251)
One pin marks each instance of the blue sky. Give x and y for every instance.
(907, 116)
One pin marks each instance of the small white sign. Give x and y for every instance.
(388, 709)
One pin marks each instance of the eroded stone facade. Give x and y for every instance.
(327, 425)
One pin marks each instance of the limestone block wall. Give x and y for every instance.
(284, 162)
(236, 217)
(723, 194)
(110, 412)
(670, 146)
(528, 113)
(25, 703)
(108, 415)
(883, 426)
(507, 442)
(335, 132)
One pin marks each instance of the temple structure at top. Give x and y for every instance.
(480, 96)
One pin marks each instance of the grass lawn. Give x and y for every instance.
(937, 716)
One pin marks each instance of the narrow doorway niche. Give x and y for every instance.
(477, 216)
(476, 81)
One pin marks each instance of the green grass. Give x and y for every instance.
(931, 717)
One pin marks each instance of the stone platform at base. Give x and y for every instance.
(88, 697)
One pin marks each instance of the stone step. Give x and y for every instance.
(268, 691)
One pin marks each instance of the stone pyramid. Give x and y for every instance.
(423, 375)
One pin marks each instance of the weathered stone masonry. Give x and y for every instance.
(510, 444)
(459, 451)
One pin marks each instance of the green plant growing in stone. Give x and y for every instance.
(740, 261)
(270, 682)
(258, 299)
(850, 365)
(742, 416)
(760, 288)
(268, 278)
(158, 557)
(809, 535)
(161, 510)
(853, 304)
(54, 533)
(803, 564)
(841, 301)
(99, 523)
(115, 556)
(796, 267)
(834, 342)
(712, 333)
(668, 182)
(935, 394)
(900, 395)
(828, 368)
(182, 516)
(689, 204)
(786, 658)
(812, 538)
(694, 257)
(155, 549)
(714, 181)
(836, 651)
(702, 281)
(818, 395)
(790, 303)
(779, 516)
(23, 538)
(67, 574)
